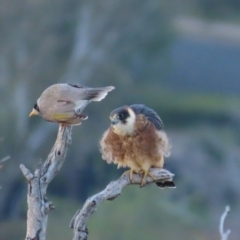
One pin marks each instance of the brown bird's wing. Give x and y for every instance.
(64, 112)
(80, 92)
(77, 85)
(69, 97)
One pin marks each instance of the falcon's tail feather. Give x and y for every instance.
(166, 184)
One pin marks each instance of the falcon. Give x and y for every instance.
(63, 103)
(136, 139)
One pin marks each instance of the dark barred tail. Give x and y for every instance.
(166, 184)
(97, 94)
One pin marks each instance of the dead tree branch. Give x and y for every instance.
(224, 235)
(4, 159)
(113, 190)
(38, 205)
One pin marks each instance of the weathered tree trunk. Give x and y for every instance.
(38, 205)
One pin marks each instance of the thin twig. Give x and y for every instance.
(113, 190)
(224, 235)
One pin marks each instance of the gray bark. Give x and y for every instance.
(38, 205)
(224, 234)
(113, 190)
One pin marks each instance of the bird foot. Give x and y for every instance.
(145, 174)
(130, 174)
(81, 116)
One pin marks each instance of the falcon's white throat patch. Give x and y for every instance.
(126, 128)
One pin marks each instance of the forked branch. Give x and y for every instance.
(113, 190)
(38, 205)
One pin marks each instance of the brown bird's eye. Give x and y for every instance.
(36, 107)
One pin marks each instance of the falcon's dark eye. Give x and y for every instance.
(121, 116)
(36, 107)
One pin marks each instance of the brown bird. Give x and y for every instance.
(63, 103)
(136, 140)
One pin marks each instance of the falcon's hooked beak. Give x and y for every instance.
(33, 112)
(114, 121)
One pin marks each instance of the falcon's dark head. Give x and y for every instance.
(123, 120)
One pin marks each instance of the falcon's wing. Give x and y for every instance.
(150, 114)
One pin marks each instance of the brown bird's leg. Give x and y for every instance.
(81, 116)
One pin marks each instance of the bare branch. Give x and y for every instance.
(224, 235)
(4, 159)
(113, 190)
(26, 172)
(38, 205)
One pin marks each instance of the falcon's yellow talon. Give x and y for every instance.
(130, 174)
(145, 173)
(150, 175)
(144, 178)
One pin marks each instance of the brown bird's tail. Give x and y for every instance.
(97, 94)
(166, 184)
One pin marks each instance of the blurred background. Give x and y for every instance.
(181, 58)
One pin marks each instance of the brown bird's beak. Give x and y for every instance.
(33, 112)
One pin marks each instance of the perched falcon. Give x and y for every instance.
(63, 103)
(136, 140)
